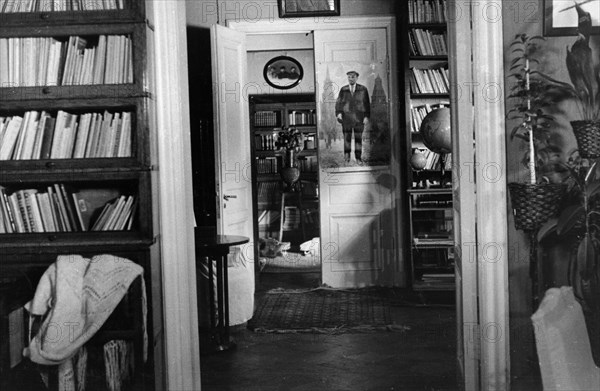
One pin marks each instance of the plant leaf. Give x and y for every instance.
(586, 256)
(569, 217)
(593, 189)
(547, 229)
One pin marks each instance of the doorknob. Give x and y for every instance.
(226, 197)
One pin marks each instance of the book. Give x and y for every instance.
(62, 208)
(68, 201)
(43, 201)
(48, 136)
(10, 137)
(56, 212)
(39, 135)
(16, 212)
(80, 208)
(33, 210)
(30, 135)
(26, 218)
(83, 131)
(9, 221)
(104, 215)
(62, 119)
(114, 213)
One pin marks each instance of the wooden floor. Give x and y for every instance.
(422, 358)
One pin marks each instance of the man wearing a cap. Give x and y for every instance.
(353, 109)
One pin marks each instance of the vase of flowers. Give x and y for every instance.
(291, 141)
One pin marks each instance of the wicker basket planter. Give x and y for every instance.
(587, 134)
(534, 204)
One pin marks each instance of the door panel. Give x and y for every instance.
(232, 136)
(358, 223)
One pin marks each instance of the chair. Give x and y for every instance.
(563, 344)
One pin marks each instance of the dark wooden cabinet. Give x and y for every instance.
(123, 171)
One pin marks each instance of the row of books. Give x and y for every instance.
(429, 81)
(269, 191)
(47, 61)
(58, 210)
(418, 113)
(305, 117)
(267, 165)
(434, 160)
(427, 43)
(39, 135)
(116, 215)
(8, 6)
(308, 164)
(427, 11)
(266, 118)
(265, 142)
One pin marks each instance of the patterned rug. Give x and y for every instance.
(323, 310)
(291, 262)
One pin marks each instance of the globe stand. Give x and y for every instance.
(442, 169)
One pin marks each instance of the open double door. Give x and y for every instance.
(359, 216)
(361, 212)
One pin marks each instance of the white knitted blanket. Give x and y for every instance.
(76, 295)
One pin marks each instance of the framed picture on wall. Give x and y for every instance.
(306, 8)
(560, 16)
(283, 72)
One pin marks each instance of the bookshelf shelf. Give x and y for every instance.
(427, 88)
(300, 214)
(76, 169)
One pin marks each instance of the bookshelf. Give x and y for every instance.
(268, 114)
(427, 87)
(74, 139)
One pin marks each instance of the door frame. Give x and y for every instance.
(180, 315)
(176, 339)
(283, 26)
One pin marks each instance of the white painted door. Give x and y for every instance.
(232, 136)
(357, 201)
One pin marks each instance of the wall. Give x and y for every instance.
(208, 12)
(257, 61)
(526, 17)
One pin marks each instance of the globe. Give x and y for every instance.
(418, 160)
(435, 130)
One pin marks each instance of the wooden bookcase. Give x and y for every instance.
(427, 86)
(115, 162)
(268, 114)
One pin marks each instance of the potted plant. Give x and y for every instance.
(579, 224)
(584, 89)
(536, 200)
(291, 141)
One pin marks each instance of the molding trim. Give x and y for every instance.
(460, 47)
(172, 136)
(287, 26)
(492, 222)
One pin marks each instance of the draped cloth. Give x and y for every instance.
(75, 296)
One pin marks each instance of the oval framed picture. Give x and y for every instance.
(283, 72)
